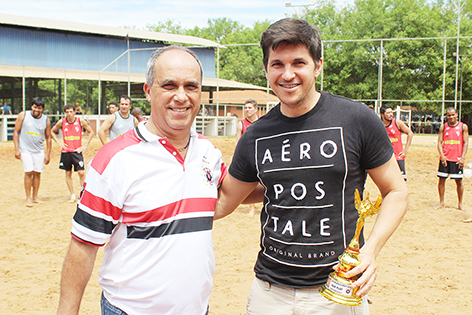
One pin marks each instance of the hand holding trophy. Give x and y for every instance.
(338, 288)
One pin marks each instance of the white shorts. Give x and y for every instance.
(33, 161)
(265, 298)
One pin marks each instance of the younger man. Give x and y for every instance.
(394, 129)
(310, 153)
(71, 146)
(31, 129)
(453, 142)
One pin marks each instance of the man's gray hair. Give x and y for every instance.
(152, 60)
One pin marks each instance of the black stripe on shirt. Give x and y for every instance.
(175, 227)
(93, 223)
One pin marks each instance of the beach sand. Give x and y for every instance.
(423, 269)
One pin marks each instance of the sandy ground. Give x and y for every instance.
(423, 269)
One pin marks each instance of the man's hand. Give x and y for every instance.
(62, 145)
(368, 268)
(443, 160)
(81, 149)
(403, 153)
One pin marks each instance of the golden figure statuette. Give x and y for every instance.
(338, 288)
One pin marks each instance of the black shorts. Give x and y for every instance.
(72, 158)
(452, 169)
(401, 165)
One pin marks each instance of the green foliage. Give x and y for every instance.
(411, 69)
(241, 62)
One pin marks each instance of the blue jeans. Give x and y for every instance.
(109, 309)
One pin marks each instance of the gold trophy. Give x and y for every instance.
(338, 288)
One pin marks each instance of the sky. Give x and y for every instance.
(140, 13)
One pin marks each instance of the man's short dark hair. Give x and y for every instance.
(69, 106)
(113, 103)
(137, 111)
(38, 101)
(384, 108)
(294, 32)
(251, 101)
(126, 97)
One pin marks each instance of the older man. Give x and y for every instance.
(152, 192)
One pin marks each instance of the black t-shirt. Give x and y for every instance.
(310, 167)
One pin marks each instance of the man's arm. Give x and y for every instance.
(231, 194)
(394, 205)
(76, 272)
(409, 136)
(440, 145)
(465, 146)
(104, 127)
(239, 131)
(47, 135)
(16, 134)
(90, 131)
(54, 129)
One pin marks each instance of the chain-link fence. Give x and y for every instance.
(426, 74)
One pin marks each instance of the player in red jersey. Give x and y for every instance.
(250, 111)
(395, 128)
(71, 146)
(453, 142)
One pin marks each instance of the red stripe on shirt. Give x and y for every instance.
(93, 202)
(103, 157)
(84, 241)
(224, 171)
(190, 205)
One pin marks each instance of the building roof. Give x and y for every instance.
(51, 73)
(23, 21)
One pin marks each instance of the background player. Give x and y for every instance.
(31, 129)
(394, 129)
(453, 142)
(250, 110)
(113, 107)
(138, 114)
(119, 122)
(71, 146)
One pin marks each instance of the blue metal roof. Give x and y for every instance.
(62, 49)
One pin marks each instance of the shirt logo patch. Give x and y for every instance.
(207, 173)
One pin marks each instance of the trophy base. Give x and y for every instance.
(339, 290)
